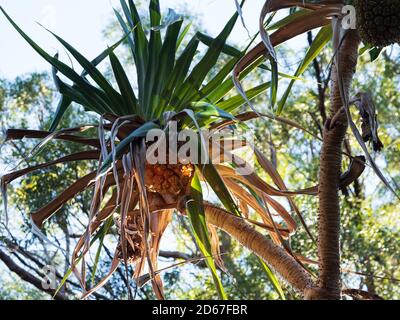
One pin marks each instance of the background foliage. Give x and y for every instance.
(370, 220)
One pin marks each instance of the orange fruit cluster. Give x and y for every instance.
(169, 178)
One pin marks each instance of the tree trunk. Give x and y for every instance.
(275, 256)
(329, 283)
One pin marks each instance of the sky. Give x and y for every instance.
(81, 23)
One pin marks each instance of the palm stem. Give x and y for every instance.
(329, 283)
(274, 255)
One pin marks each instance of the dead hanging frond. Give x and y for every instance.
(79, 156)
(279, 239)
(124, 199)
(253, 180)
(48, 210)
(356, 168)
(13, 134)
(268, 167)
(243, 195)
(131, 233)
(139, 158)
(19, 134)
(364, 103)
(240, 12)
(114, 265)
(215, 247)
(369, 120)
(159, 221)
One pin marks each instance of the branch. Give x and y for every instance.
(184, 256)
(361, 294)
(29, 256)
(26, 276)
(272, 254)
(175, 255)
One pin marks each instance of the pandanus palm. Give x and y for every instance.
(142, 196)
(138, 196)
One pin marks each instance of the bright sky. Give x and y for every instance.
(81, 23)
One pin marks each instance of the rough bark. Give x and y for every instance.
(275, 256)
(329, 283)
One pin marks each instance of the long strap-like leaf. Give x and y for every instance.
(196, 214)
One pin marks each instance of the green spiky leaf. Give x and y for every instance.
(196, 214)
